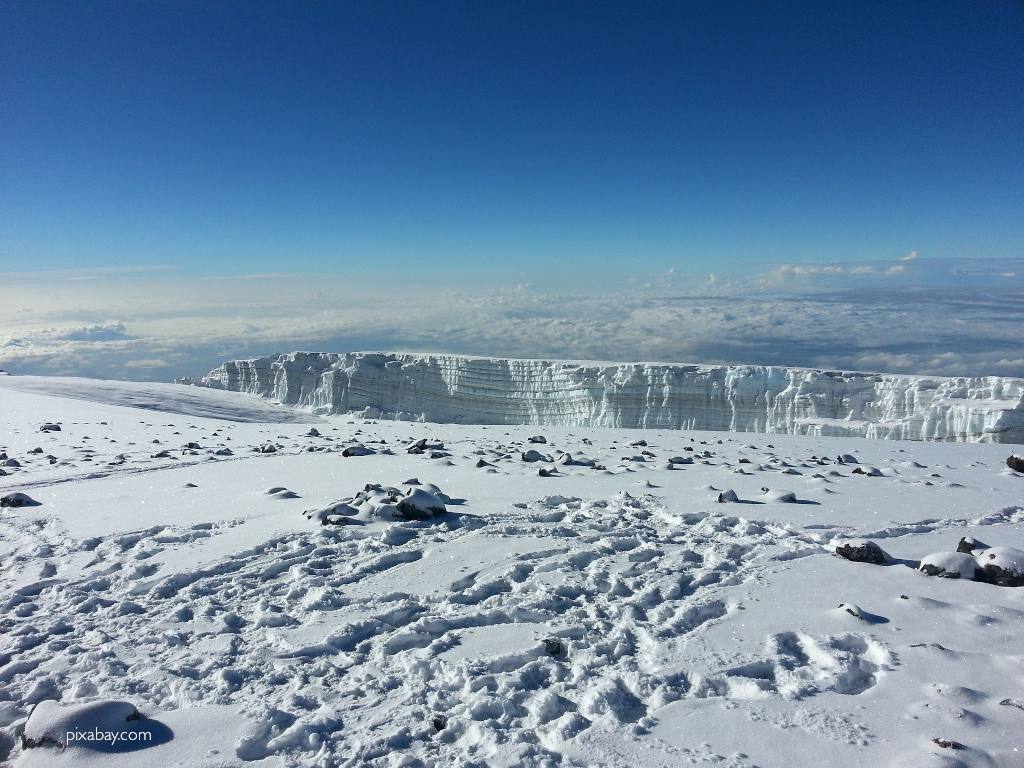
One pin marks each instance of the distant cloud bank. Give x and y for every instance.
(911, 315)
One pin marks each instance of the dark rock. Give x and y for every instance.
(863, 552)
(17, 500)
(538, 439)
(968, 544)
(946, 744)
(440, 722)
(357, 450)
(1016, 463)
(553, 646)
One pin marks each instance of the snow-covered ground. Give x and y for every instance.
(609, 613)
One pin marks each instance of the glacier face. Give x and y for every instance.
(741, 398)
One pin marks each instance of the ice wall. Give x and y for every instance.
(743, 398)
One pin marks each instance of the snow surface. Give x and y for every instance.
(609, 614)
(158, 397)
(741, 398)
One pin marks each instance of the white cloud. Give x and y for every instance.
(160, 329)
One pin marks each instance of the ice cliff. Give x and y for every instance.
(741, 398)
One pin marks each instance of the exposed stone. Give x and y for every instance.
(968, 544)
(860, 551)
(17, 499)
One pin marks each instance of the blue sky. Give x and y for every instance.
(507, 139)
(816, 184)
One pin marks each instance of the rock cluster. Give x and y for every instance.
(416, 501)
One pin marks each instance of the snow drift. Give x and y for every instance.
(741, 398)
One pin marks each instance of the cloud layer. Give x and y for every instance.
(942, 318)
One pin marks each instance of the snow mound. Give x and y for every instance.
(783, 497)
(94, 724)
(949, 565)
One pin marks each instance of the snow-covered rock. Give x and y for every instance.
(420, 503)
(50, 722)
(784, 497)
(868, 471)
(1001, 565)
(357, 450)
(750, 398)
(949, 565)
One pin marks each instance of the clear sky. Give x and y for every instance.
(512, 137)
(806, 183)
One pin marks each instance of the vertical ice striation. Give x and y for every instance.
(741, 398)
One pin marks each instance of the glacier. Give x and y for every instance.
(740, 398)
